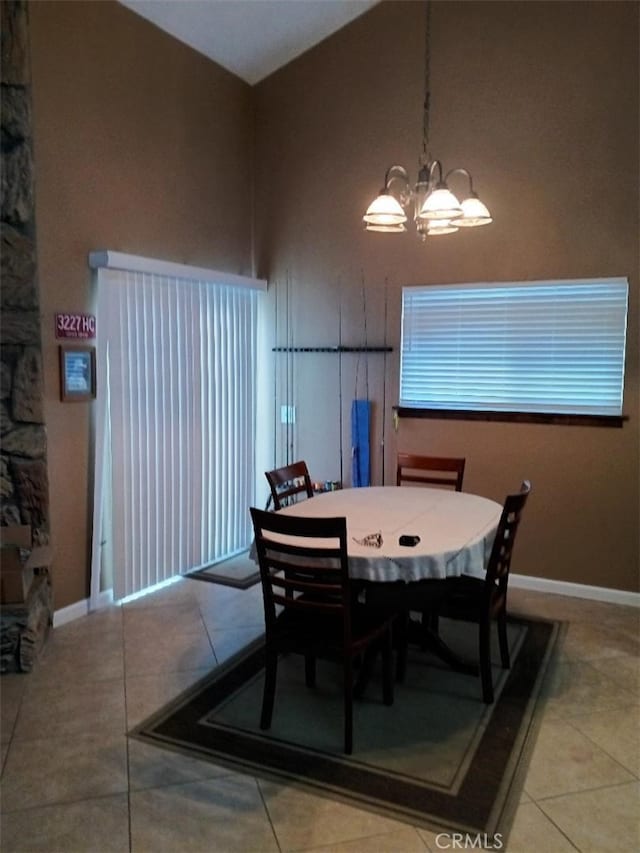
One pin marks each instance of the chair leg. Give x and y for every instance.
(310, 670)
(401, 642)
(502, 639)
(387, 668)
(348, 705)
(269, 693)
(364, 673)
(433, 620)
(430, 622)
(485, 660)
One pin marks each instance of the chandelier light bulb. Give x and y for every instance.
(387, 229)
(441, 226)
(440, 204)
(474, 213)
(385, 210)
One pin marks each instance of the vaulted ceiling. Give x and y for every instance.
(250, 38)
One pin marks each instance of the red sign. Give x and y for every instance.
(75, 326)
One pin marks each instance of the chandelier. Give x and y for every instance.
(436, 209)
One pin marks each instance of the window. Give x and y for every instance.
(533, 347)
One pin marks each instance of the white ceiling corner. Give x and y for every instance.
(250, 38)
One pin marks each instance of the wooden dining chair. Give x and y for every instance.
(288, 483)
(482, 600)
(309, 608)
(427, 470)
(431, 470)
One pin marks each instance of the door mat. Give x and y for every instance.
(240, 572)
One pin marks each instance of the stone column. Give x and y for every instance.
(24, 490)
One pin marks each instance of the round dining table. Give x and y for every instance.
(455, 530)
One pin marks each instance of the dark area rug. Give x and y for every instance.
(240, 572)
(438, 758)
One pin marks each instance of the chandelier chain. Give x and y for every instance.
(427, 86)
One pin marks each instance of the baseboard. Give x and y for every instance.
(576, 590)
(79, 609)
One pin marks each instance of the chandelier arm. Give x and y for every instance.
(463, 172)
(399, 173)
(435, 164)
(396, 173)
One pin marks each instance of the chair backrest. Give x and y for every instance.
(289, 481)
(500, 559)
(303, 565)
(437, 470)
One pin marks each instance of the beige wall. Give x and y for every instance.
(141, 146)
(145, 147)
(540, 102)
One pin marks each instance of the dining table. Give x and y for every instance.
(449, 533)
(454, 530)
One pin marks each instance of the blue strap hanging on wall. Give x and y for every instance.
(360, 418)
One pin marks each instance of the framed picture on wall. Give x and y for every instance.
(77, 373)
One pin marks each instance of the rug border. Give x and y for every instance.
(497, 818)
(510, 798)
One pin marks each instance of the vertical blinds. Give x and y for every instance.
(181, 360)
(548, 347)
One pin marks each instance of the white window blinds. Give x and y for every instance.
(179, 362)
(541, 346)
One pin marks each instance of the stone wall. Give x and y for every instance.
(24, 492)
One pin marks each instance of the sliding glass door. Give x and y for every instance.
(176, 432)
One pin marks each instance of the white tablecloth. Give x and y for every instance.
(456, 530)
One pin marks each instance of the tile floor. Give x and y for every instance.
(72, 781)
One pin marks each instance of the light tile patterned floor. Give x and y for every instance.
(73, 782)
